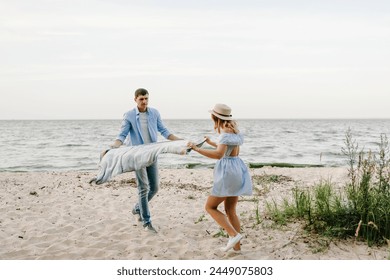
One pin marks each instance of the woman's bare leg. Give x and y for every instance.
(230, 208)
(221, 219)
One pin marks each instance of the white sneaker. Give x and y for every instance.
(232, 241)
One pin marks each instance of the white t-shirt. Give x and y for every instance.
(143, 119)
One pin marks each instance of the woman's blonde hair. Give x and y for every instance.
(219, 124)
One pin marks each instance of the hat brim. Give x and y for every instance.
(225, 118)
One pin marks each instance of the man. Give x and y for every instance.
(141, 124)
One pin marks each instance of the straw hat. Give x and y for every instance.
(222, 111)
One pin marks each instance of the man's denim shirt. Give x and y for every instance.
(131, 126)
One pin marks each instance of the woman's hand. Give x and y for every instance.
(192, 146)
(211, 143)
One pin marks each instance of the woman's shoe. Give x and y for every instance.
(232, 241)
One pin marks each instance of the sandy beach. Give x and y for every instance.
(60, 216)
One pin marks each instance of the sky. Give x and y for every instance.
(68, 59)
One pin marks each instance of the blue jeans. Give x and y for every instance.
(147, 183)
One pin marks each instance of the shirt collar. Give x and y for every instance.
(138, 112)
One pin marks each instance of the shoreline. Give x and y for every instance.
(190, 166)
(59, 215)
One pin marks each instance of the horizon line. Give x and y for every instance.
(97, 119)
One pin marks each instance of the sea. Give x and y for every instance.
(75, 145)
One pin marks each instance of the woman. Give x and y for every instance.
(231, 175)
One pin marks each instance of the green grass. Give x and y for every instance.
(221, 233)
(360, 210)
(201, 219)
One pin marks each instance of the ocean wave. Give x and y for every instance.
(73, 145)
(291, 142)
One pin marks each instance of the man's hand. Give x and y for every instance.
(173, 137)
(117, 143)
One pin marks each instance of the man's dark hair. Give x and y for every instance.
(140, 91)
